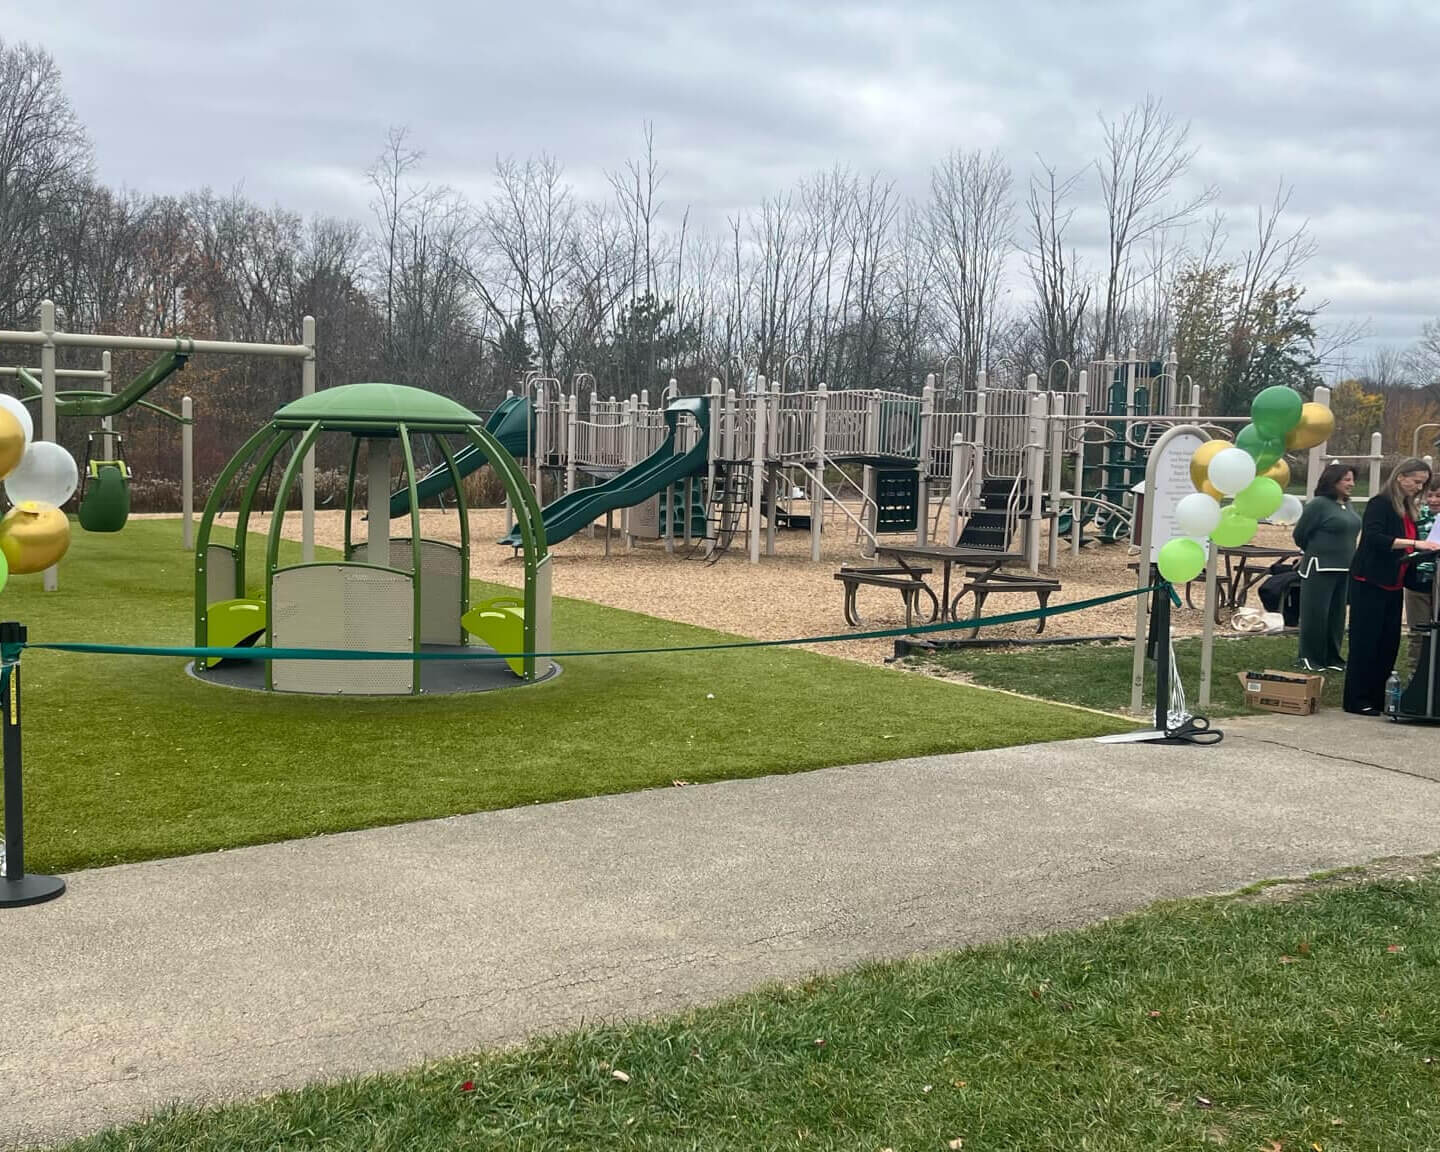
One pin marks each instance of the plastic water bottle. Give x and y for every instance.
(1392, 697)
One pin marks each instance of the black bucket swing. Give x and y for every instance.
(104, 488)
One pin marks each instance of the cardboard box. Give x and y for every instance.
(1294, 693)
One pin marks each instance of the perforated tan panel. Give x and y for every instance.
(342, 606)
(440, 577)
(220, 575)
(543, 639)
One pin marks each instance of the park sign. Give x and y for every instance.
(1170, 483)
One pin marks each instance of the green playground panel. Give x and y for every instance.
(897, 501)
(500, 623)
(233, 624)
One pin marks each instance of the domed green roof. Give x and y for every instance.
(376, 406)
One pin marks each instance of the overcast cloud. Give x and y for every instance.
(291, 101)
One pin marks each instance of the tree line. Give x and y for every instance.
(840, 278)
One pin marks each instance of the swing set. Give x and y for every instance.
(104, 497)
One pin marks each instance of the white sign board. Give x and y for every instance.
(1172, 484)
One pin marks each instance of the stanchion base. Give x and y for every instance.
(29, 890)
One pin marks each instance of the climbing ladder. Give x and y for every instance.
(729, 514)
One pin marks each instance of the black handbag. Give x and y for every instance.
(1280, 592)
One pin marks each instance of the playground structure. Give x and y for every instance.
(104, 499)
(105, 404)
(972, 464)
(387, 594)
(968, 462)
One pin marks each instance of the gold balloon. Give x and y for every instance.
(12, 442)
(1200, 462)
(1211, 491)
(1316, 424)
(1279, 472)
(34, 536)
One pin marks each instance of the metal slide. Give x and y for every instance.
(564, 517)
(509, 424)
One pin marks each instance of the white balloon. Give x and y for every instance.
(1197, 515)
(21, 413)
(1289, 510)
(46, 474)
(1232, 470)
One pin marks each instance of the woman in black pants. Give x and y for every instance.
(1377, 585)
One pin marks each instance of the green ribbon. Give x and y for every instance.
(351, 654)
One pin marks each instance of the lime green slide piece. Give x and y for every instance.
(500, 623)
(233, 624)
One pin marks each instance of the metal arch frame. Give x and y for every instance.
(527, 519)
(265, 438)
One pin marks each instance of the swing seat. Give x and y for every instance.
(106, 504)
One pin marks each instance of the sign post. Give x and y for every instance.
(1167, 481)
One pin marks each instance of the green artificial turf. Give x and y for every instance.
(1307, 1024)
(1098, 675)
(128, 758)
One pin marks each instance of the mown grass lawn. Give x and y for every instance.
(1308, 1024)
(129, 758)
(1098, 676)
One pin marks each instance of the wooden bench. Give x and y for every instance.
(984, 584)
(909, 582)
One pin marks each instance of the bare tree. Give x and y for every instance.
(392, 200)
(528, 228)
(1146, 154)
(44, 162)
(1061, 292)
(970, 217)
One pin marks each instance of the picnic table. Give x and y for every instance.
(978, 562)
(1240, 570)
(1243, 568)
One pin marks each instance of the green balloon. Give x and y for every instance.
(4, 571)
(1234, 529)
(1263, 497)
(1275, 411)
(1265, 450)
(1181, 560)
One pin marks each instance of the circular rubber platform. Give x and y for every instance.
(437, 677)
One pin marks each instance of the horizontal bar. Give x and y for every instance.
(68, 373)
(156, 344)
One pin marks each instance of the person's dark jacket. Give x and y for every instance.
(1377, 560)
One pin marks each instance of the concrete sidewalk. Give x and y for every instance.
(240, 972)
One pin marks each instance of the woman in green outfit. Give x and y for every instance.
(1326, 533)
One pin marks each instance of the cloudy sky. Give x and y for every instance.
(291, 101)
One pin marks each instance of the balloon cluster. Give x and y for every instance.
(1252, 471)
(39, 477)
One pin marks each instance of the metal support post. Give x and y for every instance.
(187, 473)
(1055, 455)
(1315, 463)
(817, 485)
(17, 888)
(922, 465)
(757, 470)
(307, 474)
(1077, 482)
(1034, 472)
(51, 580)
(107, 385)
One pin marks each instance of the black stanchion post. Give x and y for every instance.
(1160, 644)
(16, 889)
